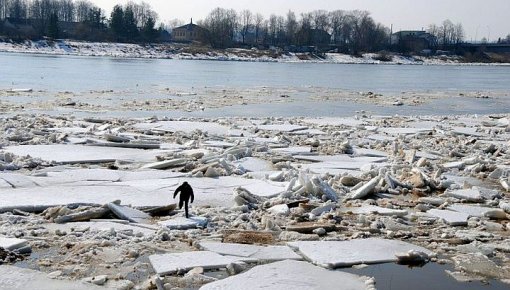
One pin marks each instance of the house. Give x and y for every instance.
(189, 33)
(413, 40)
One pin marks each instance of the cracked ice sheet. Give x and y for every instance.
(184, 126)
(72, 176)
(334, 254)
(69, 154)
(15, 278)
(171, 263)
(144, 192)
(263, 253)
(289, 274)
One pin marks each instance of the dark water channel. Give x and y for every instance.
(392, 276)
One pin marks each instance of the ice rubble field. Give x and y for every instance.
(279, 202)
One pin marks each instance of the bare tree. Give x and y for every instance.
(174, 23)
(259, 20)
(337, 20)
(459, 33)
(320, 20)
(4, 7)
(222, 25)
(246, 23)
(82, 9)
(18, 9)
(272, 29)
(291, 27)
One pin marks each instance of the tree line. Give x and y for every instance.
(345, 31)
(81, 19)
(350, 31)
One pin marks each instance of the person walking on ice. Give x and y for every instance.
(186, 193)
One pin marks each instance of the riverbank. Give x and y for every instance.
(181, 51)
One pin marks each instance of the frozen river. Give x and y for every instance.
(69, 73)
(135, 79)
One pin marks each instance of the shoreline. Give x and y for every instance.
(171, 51)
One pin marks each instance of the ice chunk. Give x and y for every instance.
(289, 275)
(282, 127)
(263, 253)
(12, 243)
(334, 254)
(365, 190)
(404, 131)
(450, 217)
(369, 152)
(253, 164)
(378, 210)
(182, 223)
(129, 214)
(172, 263)
(479, 211)
(297, 150)
(472, 194)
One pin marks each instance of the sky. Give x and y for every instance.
(488, 18)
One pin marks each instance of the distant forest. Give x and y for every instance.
(347, 31)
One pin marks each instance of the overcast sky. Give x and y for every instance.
(488, 18)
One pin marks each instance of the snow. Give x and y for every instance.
(289, 274)
(165, 51)
(334, 254)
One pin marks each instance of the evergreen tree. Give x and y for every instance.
(130, 28)
(117, 22)
(53, 30)
(150, 34)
